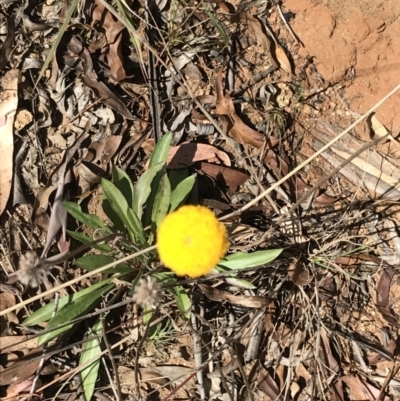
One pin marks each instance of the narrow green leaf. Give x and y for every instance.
(93, 262)
(119, 205)
(90, 220)
(143, 188)
(177, 175)
(181, 192)
(181, 298)
(161, 202)
(86, 240)
(70, 312)
(161, 150)
(112, 215)
(137, 224)
(243, 260)
(91, 349)
(44, 313)
(123, 182)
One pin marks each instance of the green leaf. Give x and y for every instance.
(86, 240)
(91, 349)
(243, 260)
(159, 156)
(143, 188)
(71, 311)
(161, 150)
(182, 300)
(93, 262)
(161, 202)
(240, 283)
(122, 181)
(181, 192)
(177, 175)
(141, 236)
(44, 313)
(90, 220)
(112, 215)
(119, 205)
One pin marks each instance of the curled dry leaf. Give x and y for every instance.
(378, 128)
(240, 132)
(8, 108)
(268, 385)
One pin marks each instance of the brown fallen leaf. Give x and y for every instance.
(90, 78)
(8, 109)
(382, 297)
(330, 366)
(268, 386)
(7, 300)
(283, 59)
(361, 390)
(240, 132)
(242, 300)
(232, 178)
(189, 153)
(256, 27)
(24, 368)
(112, 29)
(7, 343)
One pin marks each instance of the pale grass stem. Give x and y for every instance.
(77, 279)
(311, 158)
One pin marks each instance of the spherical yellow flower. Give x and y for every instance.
(191, 241)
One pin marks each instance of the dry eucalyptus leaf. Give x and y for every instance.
(8, 108)
(283, 59)
(189, 153)
(16, 343)
(240, 132)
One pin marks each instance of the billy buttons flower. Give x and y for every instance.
(191, 241)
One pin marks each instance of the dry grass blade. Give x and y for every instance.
(311, 158)
(56, 42)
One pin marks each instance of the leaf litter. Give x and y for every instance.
(325, 305)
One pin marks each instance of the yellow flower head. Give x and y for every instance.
(191, 241)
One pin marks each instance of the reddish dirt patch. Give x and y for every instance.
(356, 44)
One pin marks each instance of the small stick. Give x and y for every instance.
(278, 6)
